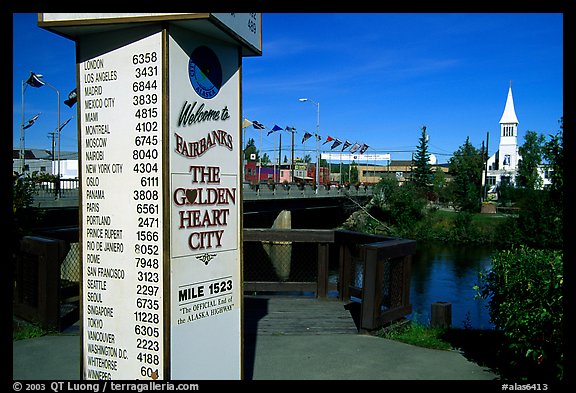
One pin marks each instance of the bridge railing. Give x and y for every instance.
(48, 191)
(292, 190)
(370, 271)
(67, 192)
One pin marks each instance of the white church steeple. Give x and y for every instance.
(509, 115)
(508, 149)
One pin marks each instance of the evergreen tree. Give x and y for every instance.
(265, 159)
(422, 173)
(353, 173)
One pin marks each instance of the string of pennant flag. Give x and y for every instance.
(35, 80)
(354, 147)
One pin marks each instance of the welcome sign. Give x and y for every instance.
(204, 145)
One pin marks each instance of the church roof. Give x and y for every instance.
(509, 115)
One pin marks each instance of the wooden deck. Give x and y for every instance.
(276, 315)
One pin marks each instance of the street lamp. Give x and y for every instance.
(317, 139)
(34, 81)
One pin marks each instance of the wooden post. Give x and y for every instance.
(42, 255)
(369, 287)
(345, 274)
(441, 315)
(322, 289)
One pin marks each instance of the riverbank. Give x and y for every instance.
(437, 224)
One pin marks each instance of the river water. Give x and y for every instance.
(441, 272)
(444, 272)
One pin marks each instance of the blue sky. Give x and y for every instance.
(378, 78)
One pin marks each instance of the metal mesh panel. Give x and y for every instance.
(280, 261)
(356, 272)
(392, 284)
(70, 274)
(70, 268)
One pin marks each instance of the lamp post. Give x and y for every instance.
(317, 139)
(36, 80)
(22, 152)
(57, 123)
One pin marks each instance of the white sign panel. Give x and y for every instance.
(120, 97)
(246, 25)
(355, 157)
(94, 16)
(205, 222)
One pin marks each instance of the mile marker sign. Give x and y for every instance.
(159, 109)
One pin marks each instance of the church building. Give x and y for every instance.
(502, 167)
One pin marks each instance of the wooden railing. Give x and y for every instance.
(373, 271)
(322, 237)
(383, 289)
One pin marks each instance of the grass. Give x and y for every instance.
(22, 330)
(448, 225)
(417, 334)
(487, 348)
(479, 346)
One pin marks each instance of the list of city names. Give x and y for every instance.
(121, 139)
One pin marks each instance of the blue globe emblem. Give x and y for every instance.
(205, 72)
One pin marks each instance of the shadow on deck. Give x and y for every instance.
(279, 315)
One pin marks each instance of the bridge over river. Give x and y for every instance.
(326, 207)
(345, 281)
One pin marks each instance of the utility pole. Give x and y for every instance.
(279, 159)
(485, 153)
(52, 134)
(292, 161)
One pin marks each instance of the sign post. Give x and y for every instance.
(159, 109)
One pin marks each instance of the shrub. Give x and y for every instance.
(524, 288)
(463, 230)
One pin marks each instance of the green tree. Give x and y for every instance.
(25, 216)
(531, 158)
(422, 173)
(251, 149)
(402, 207)
(554, 155)
(525, 291)
(265, 159)
(353, 173)
(438, 184)
(540, 219)
(466, 168)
